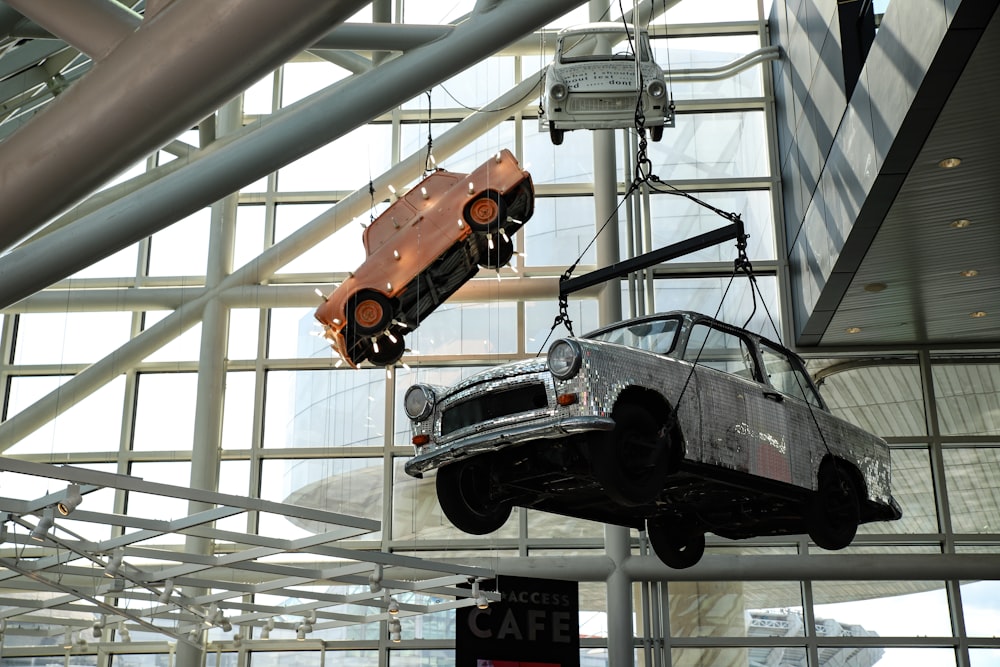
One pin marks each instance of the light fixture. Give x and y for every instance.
(960, 223)
(395, 631)
(497, 157)
(875, 287)
(300, 632)
(978, 314)
(99, 627)
(472, 188)
(265, 632)
(461, 223)
(423, 192)
(395, 254)
(168, 589)
(195, 634)
(393, 607)
(391, 337)
(969, 273)
(950, 162)
(374, 345)
(237, 640)
(226, 625)
(388, 286)
(41, 529)
(114, 563)
(123, 633)
(320, 294)
(71, 501)
(479, 596)
(68, 640)
(853, 330)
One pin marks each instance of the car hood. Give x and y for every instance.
(513, 369)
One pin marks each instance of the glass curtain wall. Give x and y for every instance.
(298, 429)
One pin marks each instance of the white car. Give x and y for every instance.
(676, 423)
(591, 82)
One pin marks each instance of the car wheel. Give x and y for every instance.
(498, 255)
(370, 312)
(556, 135)
(463, 491)
(388, 351)
(656, 132)
(678, 543)
(835, 510)
(633, 460)
(485, 213)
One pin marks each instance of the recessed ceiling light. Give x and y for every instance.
(969, 273)
(853, 330)
(961, 223)
(978, 314)
(950, 162)
(875, 287)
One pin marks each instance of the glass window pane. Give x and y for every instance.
(735, 609)
(293, 333)
(973, 484)
(571, 162)
(186, 346)
(981, 607)
(328, 408)
(913, 489)
(346, 486)
(421, 657)
(712, 145)
(885, 608)
(303, 78)
(249, 241)
(968, 398)
(540, 330)
(685, 53)
(466, 328)
(237, 415)
(164, 413)
(559, 232)
(544, 524)
(123, 263)
(182, 248)
(347, 163)
(140, 659)
(244, 325)
(885, 400)
(738, 303)
(984, 657)
(69, 338)
(285, 659)
(164, 508)
(257, 98)
(342, 251)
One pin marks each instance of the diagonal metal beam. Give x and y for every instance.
(120, 112)
(94, 27)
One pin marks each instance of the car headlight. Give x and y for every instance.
(558, 91)
(418, 402)
(656, 88)
(564, 358)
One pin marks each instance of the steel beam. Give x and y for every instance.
(177, 68)
(94, 27)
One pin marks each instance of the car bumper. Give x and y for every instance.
(490, 441)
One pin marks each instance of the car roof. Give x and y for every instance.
(600, 26)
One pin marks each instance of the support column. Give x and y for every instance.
(207, 445)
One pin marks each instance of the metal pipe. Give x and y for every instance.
(94, 27)
(177, 68)
(321, 118)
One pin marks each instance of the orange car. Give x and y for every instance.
(426, 245)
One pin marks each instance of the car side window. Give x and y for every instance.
(721, 350)
(786, 374)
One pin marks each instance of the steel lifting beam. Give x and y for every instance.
(735, 231)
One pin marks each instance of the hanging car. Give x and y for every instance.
(676, 423)
(591, 82)
(420, 250)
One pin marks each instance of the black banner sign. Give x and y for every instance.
(535, 624)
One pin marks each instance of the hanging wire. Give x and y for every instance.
(429, 159)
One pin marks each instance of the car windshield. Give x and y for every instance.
(652, 335)
(590, 46)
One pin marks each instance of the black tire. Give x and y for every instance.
(388, 352)
(632, 461)
(370, 312)
(656, 132)
(679, 544)
(463, 491)
(499, 255)
(556, 135)
(835, 510)
(486, 213)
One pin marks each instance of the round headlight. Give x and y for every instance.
(564, 359)
(558, 91)
(656, 88)
(418, 402)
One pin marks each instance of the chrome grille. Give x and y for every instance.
(486, 407)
